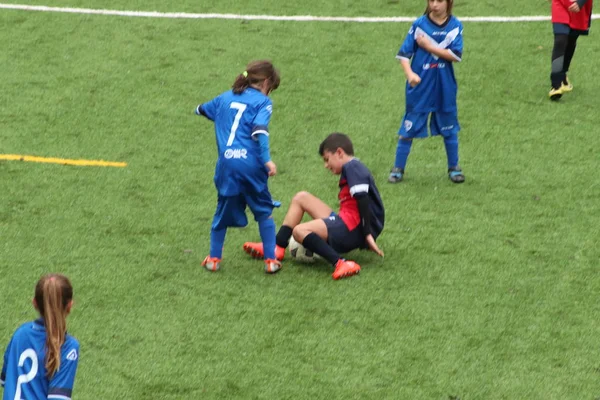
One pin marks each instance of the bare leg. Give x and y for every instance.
(304, 202)
(315, 226)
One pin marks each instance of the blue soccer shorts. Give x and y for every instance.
(231, 210)
(414, 125)
(340, 238)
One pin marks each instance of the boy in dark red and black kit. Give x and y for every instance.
(570, 19)
(358, 223)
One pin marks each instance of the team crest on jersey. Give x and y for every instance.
(407, 125)
(72, 356)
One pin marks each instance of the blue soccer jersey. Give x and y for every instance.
(24, 372)
(437, 90)
(238, 119)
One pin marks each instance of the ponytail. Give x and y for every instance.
(53, 293)
(241, 83)
(256, 72)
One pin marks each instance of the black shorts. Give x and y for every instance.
(340, 237)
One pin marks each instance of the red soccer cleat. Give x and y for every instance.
(212, 263)
(272, 266)
(344, 269)
(256, 250)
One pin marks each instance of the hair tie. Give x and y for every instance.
(245, 73)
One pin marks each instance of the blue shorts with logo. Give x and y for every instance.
(340, 238)
(414, 125)
(231, 210)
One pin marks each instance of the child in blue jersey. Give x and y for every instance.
(434, 43)
(41, 359)
(241, 117)
(358, 223)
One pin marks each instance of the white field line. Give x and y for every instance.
(299, 18)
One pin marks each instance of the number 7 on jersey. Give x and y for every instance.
(240, 107)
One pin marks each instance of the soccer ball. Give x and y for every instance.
(301, 253)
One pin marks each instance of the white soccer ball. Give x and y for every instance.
(301, 253)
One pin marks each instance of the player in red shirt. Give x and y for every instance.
(357, 224)
(570, 19)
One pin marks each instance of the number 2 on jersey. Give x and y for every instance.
(240, 107)
(28, 377)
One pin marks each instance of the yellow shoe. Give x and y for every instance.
(566, 86)
(556, 94)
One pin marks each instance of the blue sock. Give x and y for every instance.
(217, 240)
(266, 228)
(402, 152)
(451, 143)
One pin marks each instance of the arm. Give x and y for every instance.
(412, 78)
(260, 132)
(450, 49)
(406, 52)
(365, 221)
(445, 54)
(265, 154)
(359, 181)
(405, 63)
(365, 213)
(208, 109)
(4, 364)
(577, 5)
(200, 111)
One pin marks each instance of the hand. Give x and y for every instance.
(271, 167)
(423, 42)
(574, 7)
(373, 246)
(413, 79)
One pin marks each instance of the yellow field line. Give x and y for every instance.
(63, 161)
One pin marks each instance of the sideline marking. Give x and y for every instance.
(63, 161)
(298, 18)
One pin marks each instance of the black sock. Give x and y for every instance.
(558, 60)
(283, 236)
(313, 242)
(569, 51)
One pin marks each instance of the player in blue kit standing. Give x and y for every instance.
(434, 43)
(241, 117)
(41, 359)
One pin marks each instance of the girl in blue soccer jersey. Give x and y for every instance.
(241, 117)
(434, 43)
(41, 359)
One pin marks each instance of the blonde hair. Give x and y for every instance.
(53, 293)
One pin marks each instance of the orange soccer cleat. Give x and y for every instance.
(272, 266)
(344, 269)
(256, 250)
(212, 263)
